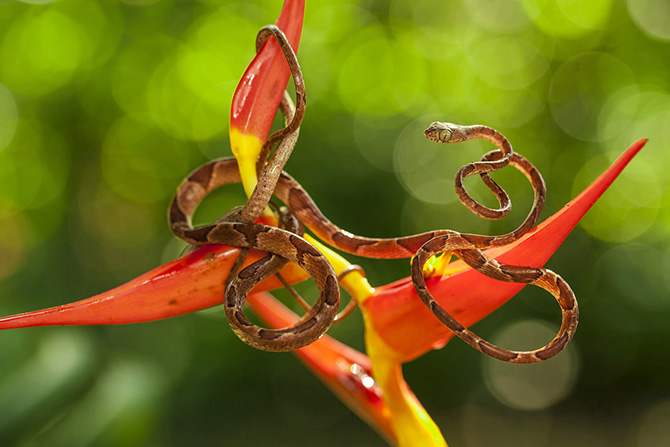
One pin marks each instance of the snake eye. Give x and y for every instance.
(444, 135)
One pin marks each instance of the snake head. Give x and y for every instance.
(445, 132)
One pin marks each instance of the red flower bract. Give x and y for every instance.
(260, 90)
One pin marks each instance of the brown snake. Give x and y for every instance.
(288, 245)
(224, 171)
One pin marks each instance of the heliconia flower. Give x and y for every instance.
(400, 328)
(394, 315)
(259, 93)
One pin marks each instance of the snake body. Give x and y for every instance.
(283, 243)
(286, 244)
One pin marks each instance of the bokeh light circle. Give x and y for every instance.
(568, 18)
(652, 16)
(619, 113)
(420, 166)
(531, 387)
(133, 72)
(502, 16)
(327, 25)
(631, 205)
(46, 47)
(189, 93)
(366, 72)
(506, 62)
(653, 429)
(579, 88)
(41, 52)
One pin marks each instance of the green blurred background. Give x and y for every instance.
(106, 105)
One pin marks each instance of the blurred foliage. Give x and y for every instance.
(106, 105)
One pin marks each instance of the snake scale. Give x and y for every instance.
(286, 244)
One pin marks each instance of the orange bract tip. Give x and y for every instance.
(260, 90)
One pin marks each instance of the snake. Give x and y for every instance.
(224, 171)
(284, 244)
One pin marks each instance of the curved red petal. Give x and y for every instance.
(192, 282)
(260, 90)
